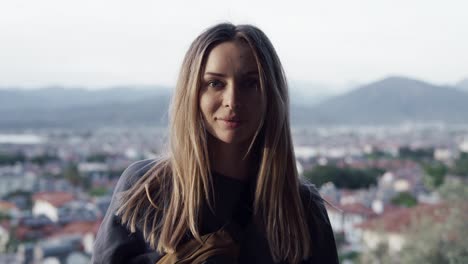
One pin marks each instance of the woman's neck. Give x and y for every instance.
(229, 160)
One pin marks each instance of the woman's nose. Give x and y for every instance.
(232, 96)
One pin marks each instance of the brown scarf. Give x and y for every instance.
(217, 247)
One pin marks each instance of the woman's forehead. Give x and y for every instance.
(231, 57)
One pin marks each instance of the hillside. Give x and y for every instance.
(393, 100)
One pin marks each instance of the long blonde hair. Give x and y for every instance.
(165, 203)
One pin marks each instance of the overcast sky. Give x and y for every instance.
(101, 43)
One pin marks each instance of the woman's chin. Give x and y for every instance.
(231, 139)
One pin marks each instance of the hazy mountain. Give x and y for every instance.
(463, 85)
(391, 100)
(59, 107)
(78, 107)
(59, 97)
(387, 101)
(307, 94)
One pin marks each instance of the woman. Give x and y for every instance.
(230, 166)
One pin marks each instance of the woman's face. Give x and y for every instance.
(230, 96)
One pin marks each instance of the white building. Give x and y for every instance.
(49, 203)
(463, 146)
(445, 154)
(85, 229)
(4, 237)
(390, 227)
(344, 218)
(15, 178)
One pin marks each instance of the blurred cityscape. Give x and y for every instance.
(381, 184)
(377, 99)
(395, 192)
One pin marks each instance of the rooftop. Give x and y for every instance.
(398, 220)
(57, 199)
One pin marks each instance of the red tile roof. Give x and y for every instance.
(80, 227)
(57, 199)
(357, 208)
(354, 208)
(5, 224)
(24, 232)
(399, 220)
(5, 205)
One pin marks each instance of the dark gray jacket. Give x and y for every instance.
(115, 244)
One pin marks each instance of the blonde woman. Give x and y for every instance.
(227, 190)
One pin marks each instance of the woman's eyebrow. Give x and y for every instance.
(215, 74)
(224, 75)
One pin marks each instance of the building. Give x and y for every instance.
(344, 218)
(4, 236)
(16, 178)
(49, 203)
(391, 227)
(87, 230)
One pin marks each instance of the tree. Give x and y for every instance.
(405, 199)
(439, 235)
(98, 191)
(416, 154)
(431, 241)
(72, 174)
(97, 157)
(443, 239)
(435, 174)
(461, 165)
(11, 159)
(343, 177)
(43, 159)
(380, 255)
(13, 242)
(453, 190)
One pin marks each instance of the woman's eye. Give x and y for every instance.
(215, 83)
(252, 83)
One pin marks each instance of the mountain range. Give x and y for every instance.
(463, 85)
(387, 101)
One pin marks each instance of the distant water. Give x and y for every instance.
(21, 139)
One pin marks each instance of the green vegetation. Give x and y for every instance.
(453, 190)
(352, 256)
(432, 241)
(381, 254)
(98, 191)
(435, 174)
(460, 167)
(340, 239)
(442, 238)
(43, 159)
(416, 154)
(97, 158)
(11, 159)
(343, 177)
(4, 216)
(72, 174)
(12, 243)
(378, 154)
(404, 199)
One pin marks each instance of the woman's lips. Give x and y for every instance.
(231, 123)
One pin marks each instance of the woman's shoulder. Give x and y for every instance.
(323, 240)
(313, 203)
(115, 243)
(134, 172)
